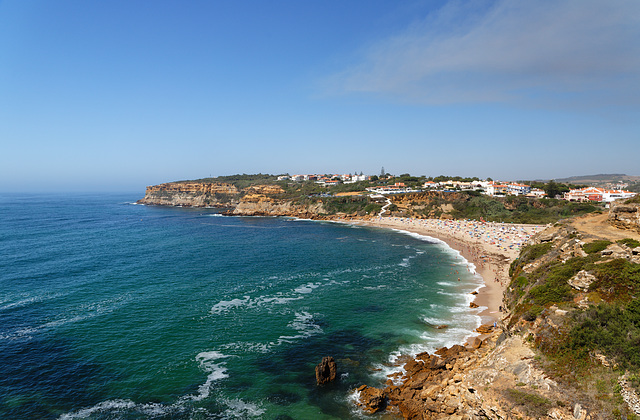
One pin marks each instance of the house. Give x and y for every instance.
(430, 185)
(597, 194)
(494, 188)
(518, 189)
(536, 193)
(397, 188)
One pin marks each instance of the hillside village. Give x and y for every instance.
(487, 187)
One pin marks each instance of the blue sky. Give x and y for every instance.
(118, 95)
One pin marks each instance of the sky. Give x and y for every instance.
(117, 95)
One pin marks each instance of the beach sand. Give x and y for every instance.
(491, 247)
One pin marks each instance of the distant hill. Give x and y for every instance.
(605, 181)
(599, 179)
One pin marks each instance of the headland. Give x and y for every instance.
(575, 272)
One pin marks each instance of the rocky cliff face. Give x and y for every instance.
(191, 194)
(626, 216)
(270, 207)
(256, 200)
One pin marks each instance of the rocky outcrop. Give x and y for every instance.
(191, 194)
(582, 280)
(629, 395)
(625, 216)
(255, 200)
(253, 206)
(464, 383)
(326, 371)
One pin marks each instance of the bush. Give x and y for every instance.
(552, 286)
(595, 246)
(619, 278)
(611, 328)
(335, 205)
(534, 404)
(533, 252)
(631, 243)
(373, 208)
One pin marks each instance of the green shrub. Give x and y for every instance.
(532, 313)
(533, 252)
(631, 243)
(373, 208)
(534, 404)
(613, 329)
(552, 286)
(595, 246)
(620, 279)
(335, 205)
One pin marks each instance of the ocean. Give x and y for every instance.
(111, 310)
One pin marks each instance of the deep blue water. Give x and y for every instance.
(114, 310)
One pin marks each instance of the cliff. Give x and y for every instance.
(254, 200)
(191, 194)
(270, 207)
(568, 347)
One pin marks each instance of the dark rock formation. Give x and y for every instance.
(326, 370)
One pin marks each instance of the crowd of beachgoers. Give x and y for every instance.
(501, 236)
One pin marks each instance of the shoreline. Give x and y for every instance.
(490, 247)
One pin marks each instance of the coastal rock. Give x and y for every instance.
(582, 280)
(625, 216)
(475, 342)
(546, 236)
(326, 371)
(269, 207)
(485, 329)
(473, 305)
(191, 194)
(256, 200)
(371, 399)
(616, 251)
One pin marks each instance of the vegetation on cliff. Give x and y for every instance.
(575, 296)
(477, 206)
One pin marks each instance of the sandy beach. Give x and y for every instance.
(491, 247)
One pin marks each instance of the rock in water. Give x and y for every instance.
(326, 370)
(371, 399)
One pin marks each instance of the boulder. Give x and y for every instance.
(475, 342)
(413, 366)
(616, 251)
(485, 329)
(326, 370)
(447, 353)
(371, 399)
(412, 409)
(582, 280)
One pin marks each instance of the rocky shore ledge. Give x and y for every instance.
(487, 378)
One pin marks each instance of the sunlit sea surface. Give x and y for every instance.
(113, 310)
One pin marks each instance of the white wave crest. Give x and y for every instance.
(226, 305)
(303, 323)
(208, 362)
(242, 409)
(306, 288)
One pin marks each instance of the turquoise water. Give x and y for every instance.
(112, 310)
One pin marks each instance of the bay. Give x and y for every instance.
(115, 310)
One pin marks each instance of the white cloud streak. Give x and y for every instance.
(578, 52)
